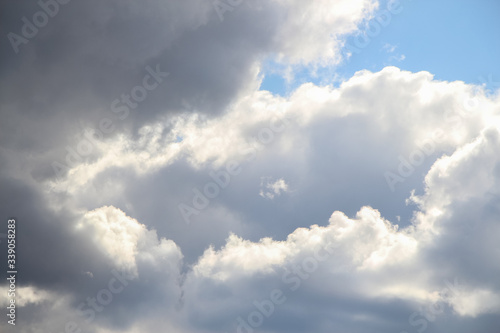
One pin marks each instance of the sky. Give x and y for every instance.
(451, 39)
(250, 166)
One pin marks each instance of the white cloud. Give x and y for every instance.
(331, 144)
(353, 270)
(413, 102)
(319, 25)
(127, 242)
(270, 189)
(371, 259)
(26, 295)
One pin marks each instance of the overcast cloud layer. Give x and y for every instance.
(158, 189)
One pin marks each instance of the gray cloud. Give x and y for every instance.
(116, 210)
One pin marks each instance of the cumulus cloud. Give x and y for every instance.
(380, 147)
(371, 259)
(319, 25)
(126, 241)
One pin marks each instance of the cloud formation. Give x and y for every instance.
(382, 200)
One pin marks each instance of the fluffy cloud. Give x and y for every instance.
(429, 116)
(319, 25)
(397, 277)
(136, 264)
(331, 149)
(370, 259)
(125, 241)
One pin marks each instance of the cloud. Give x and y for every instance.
(371, 260)
(319, 25)
(72, 79)
(125, 241)
(139, 271)
(391, 277)
(271, 189)
(332, 247)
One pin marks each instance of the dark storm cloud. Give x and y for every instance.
(91, 52)
(64, 77)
